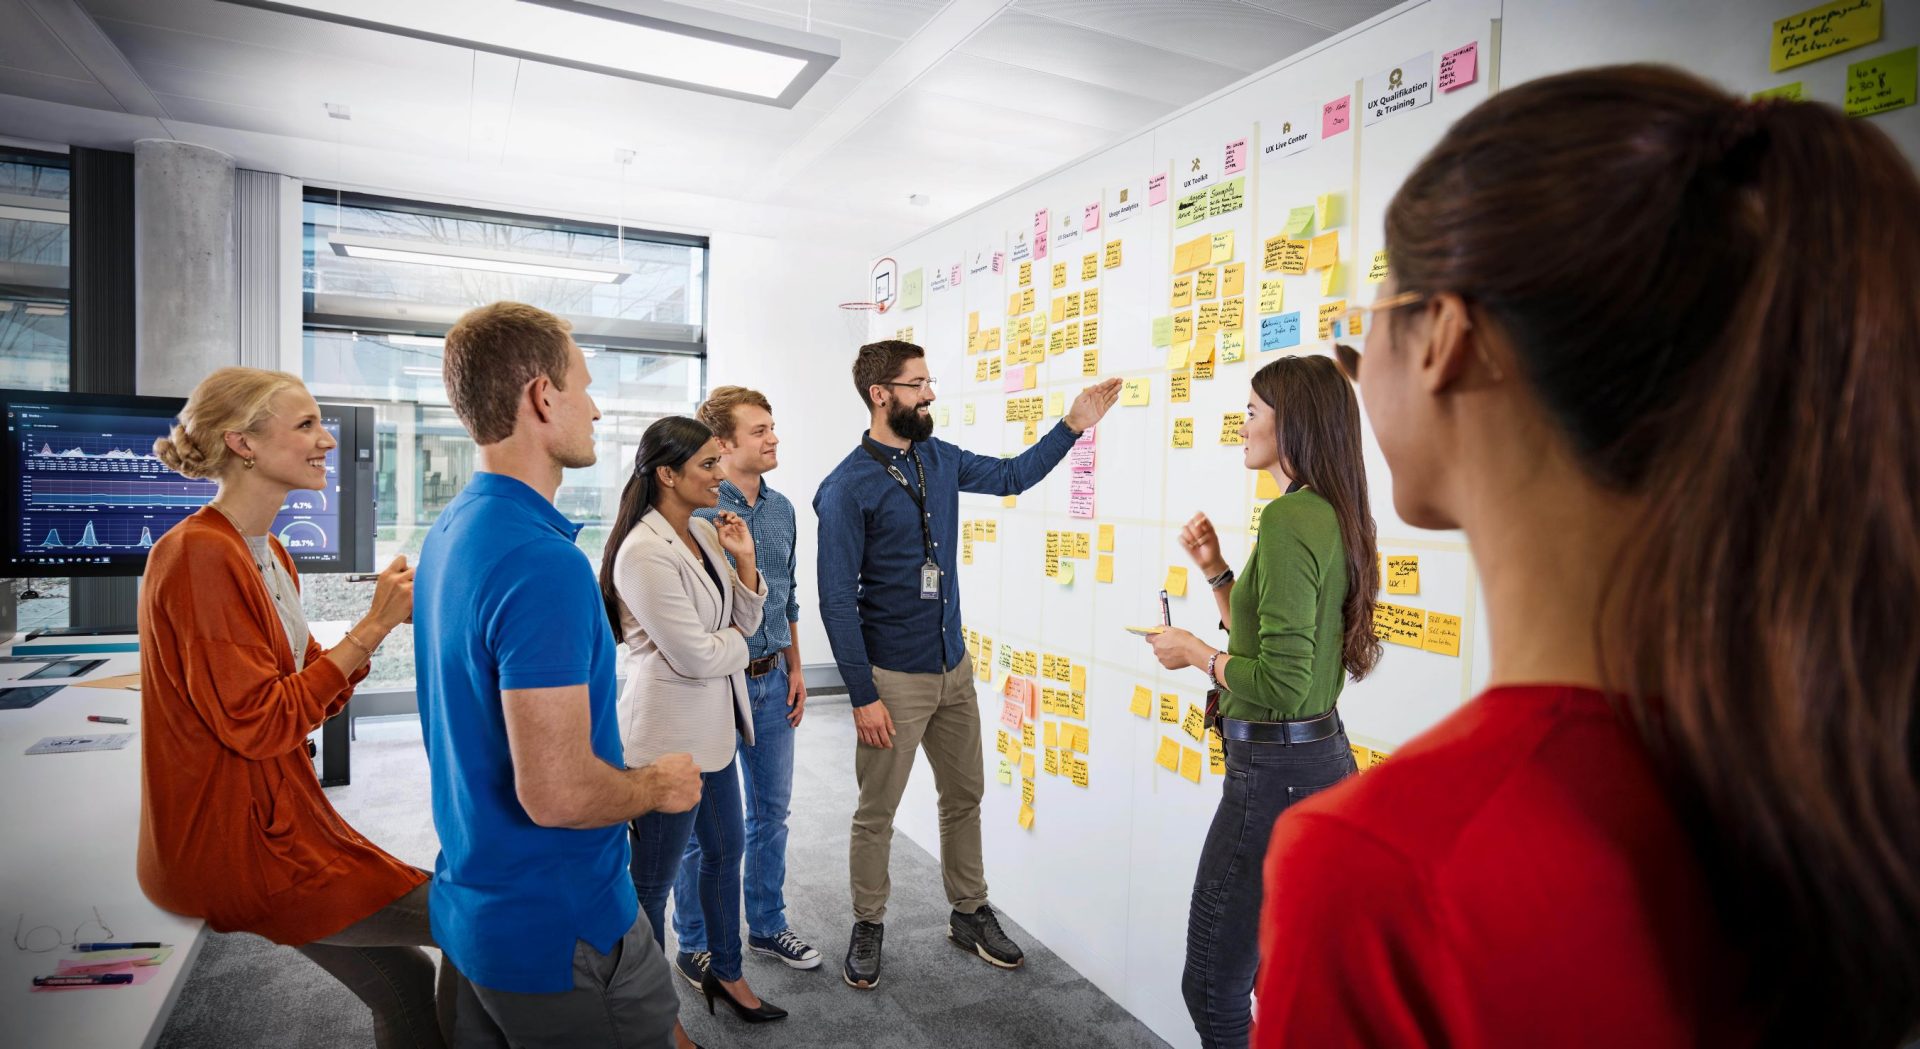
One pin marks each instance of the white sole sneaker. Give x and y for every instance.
(797, 963)
(982, 952)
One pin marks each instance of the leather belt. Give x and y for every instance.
(764, 665)
(1286, 733)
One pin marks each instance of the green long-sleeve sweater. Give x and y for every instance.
(1286, 629)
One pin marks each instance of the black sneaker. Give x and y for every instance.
(980, 933)
(863, 955)
(692, 965)
(787, 947)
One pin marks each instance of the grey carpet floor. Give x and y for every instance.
(245, 991)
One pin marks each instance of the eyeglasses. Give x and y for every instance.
(917, 385)
(1354, 321)
(43, 938)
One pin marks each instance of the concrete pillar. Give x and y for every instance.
(187, 268)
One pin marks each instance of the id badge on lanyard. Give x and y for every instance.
(929, 582)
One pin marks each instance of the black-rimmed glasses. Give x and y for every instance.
(918, 385)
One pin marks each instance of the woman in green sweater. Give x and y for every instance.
(1300, 621)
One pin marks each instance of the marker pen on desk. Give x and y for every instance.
(118, 946)
(106, 719)
(96, 980)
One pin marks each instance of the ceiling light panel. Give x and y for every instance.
(657, 42)
(428, 253)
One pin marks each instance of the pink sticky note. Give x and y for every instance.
(1090, 218)
(1011, 712)
(1157, 190)
(1459, 66)
(1236, 156)
(1039, 246)
(953, 278)
(1016, 379)
(71, 967)
(1080, 505)
(1334, 116)
(999, 260)
(1039, 222)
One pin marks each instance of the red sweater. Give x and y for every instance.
(1514, 877)
(233, 825)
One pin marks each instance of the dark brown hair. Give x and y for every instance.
(717, 410)
(1713, 300)
(879, 362)
(492, 353)
(1317, 426)
(668, 441)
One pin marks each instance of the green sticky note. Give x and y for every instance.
(1786, 92)
(1299, 222)
(912, 288)
(1163, 331)
(1878, 85)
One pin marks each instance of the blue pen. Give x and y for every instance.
(116, 946)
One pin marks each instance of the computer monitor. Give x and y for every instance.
(83, 494)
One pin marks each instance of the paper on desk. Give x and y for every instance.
(129, 682)
(75, 744)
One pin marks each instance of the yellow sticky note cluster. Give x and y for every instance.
(1403, 574)
(1435, 632)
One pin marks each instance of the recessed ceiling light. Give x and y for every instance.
(338, 111)
(424, 373)
(663, 43)
(458, 256)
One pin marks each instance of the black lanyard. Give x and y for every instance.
(918, 495)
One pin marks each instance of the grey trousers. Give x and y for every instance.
(380, 960)
(623, 999)
(936, 713)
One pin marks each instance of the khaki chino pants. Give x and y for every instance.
(937, 713)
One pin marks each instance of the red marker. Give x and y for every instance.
(106, 719)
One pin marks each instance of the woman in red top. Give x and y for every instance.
(1656, 350)
(233, 826)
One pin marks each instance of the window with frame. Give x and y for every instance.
(384, 279)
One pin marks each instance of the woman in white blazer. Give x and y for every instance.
(683, 614)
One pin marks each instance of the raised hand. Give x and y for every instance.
(1203, 545)
(735, 539)
(1092, 404)
(393, 595)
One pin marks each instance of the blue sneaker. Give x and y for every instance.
(787, 947)
(692, 966)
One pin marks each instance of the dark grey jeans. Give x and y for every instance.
(380, 960)
(623, 999)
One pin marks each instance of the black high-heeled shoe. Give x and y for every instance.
(711, 986)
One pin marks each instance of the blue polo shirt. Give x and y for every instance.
(503, 599)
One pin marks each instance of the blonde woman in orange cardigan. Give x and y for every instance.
(234, 828)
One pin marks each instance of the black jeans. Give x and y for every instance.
(1223, 922)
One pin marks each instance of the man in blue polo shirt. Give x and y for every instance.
(889, 525)
(533, 904)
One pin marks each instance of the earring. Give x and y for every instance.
(249, 463)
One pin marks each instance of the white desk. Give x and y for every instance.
(69, 829)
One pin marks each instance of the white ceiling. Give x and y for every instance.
(959, 100)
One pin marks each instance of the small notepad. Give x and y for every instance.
(75, 744)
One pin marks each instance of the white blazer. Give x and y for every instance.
(685, 664)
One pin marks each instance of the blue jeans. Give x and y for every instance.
(660, 840)
(768, 765)
(1223, 921)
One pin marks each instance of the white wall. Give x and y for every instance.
(773, 323)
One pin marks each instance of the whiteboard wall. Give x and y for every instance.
(1104, 873)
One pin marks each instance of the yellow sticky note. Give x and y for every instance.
(1183, 433)
(1206, 320)
(1079, 773)
(1400, 625)
(973, 322)
(1443, 634)
(1222, 247)
(1376, 759)
(1056, 404)
(1330, 312)
(1026, 274)
(1233, 279)
(1077, 678)
(1058, 311)
(1090, 266)
(1265, 487)
(1825, 30)
(1013, 304)
(1194, 723)
(1326, 210)
(1059, 274)
(1065, 574)
(1216, 755)
(1169, 756)
(1330, 279)
(1028, 737)
(1233, 346)
(1177, 581)
(1142, 701)
(1190, 761)
(1026, 766)
(1206, 283)
(1182, 291)
(1030, 432)
(967, 415)
(1178, 353)
(1026, 301)
(1233, 315)
(1169, 708)
(1324, 251)
(1293, 258)
(1103, 569)
(1026, 816)
(1106, 538)
(1134, 393)
(1180, 387)
(1051, 763)
(1182, 326)
(1230, 425)
(1113, 254)
(1403, 574)
(1090, 301)
(1377, 271)
(1202, 348)
(1362, 756)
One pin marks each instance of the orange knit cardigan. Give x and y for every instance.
(233, 825)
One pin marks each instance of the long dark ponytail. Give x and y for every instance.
(1712, 300)
(670, 441)
(1317, 425)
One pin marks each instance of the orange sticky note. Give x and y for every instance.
(1324, 250)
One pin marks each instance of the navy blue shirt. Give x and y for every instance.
(503, 599)
(872, 549)
(774, 529)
